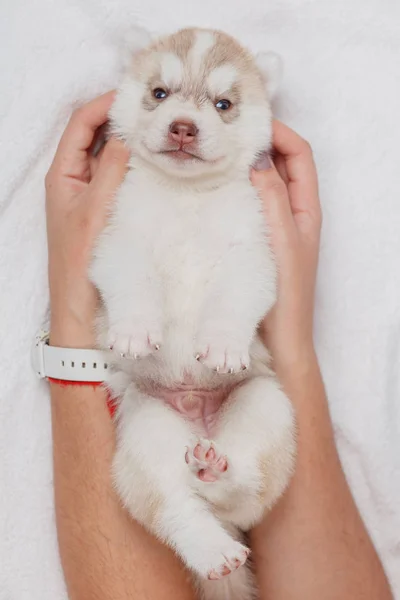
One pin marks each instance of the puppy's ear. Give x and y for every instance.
(271, 69)
(135, 39)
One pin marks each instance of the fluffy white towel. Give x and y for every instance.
(341, 91)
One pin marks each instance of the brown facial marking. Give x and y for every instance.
(180, 43)
(147, 63)
(226, 50)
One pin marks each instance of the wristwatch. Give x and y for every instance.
(68, 364)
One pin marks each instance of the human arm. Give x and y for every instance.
(105, 554)
(314, 544)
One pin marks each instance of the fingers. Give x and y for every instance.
(113, 165)
(300, 168)
(101, 135)
(84, 122)
(274, 195)
(280, 165)
(71, 155)
(95, 151)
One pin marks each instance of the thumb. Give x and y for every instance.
(274, 196)
(111, 170)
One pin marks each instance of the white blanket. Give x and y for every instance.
(341, 91)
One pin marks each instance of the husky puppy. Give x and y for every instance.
(205, 435)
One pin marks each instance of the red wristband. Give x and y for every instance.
(66, 383)
(111, 402)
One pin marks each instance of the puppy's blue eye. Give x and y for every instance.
(159, 94)
(223, 105)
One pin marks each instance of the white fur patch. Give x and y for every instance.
(171, 69)
(204, 41)
(221, 79)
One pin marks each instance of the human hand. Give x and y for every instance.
(288, 188)
(79, 188)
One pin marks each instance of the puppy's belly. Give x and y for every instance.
(198, 405)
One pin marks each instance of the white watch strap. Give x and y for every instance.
(68, 364)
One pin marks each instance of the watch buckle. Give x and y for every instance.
(37, 353)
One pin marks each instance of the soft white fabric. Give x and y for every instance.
(341, 90)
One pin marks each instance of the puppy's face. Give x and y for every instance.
(194, 104)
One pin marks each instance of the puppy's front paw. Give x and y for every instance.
(222, 356)
(135, 341)
(206, 461)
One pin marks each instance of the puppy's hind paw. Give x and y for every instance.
(206, 461)
(230, 561)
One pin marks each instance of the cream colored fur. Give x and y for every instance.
(185, 271)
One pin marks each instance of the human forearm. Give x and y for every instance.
(314, 544)
(105, 554)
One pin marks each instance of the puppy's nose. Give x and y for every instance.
(183, 132)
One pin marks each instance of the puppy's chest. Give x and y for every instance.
(191, 232)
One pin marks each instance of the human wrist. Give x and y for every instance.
(73, 304)
(295, 366)
(72, 324)
(69, 332)
(303, 383)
